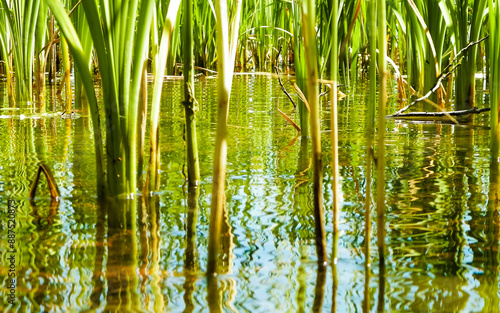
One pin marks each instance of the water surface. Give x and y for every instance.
(442, 231)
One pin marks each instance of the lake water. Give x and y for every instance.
(442, 229)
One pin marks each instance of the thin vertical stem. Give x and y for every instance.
(309, 22)
(370, 121)
(299, 62)
(334, 64)
(68, 94)
(381, 129)
(190, 103)
(141, 129)
(160, 61)
(333, 120)
(494, 43)
(382, 46)
(494, 86)
(225, 67)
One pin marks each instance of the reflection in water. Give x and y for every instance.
(319, 292)
(121, 262)
(149, 238)
(97, 273)
(221, 288)
(442, 221)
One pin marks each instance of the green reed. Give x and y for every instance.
(5, 45)
(227, 37)
(21, 21)
(113, 28)
(83, 31)
(39, 56)
(159, 64)
(310, 49)
(300, 65)
(190, 103)
(494, 79)
(333, 121)
(465, 29)
(382, 100)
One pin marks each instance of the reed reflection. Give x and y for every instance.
(191, 257)
(319, 291)
(150, 242)
(487, 248)
(218, 287)
(121, 265)
(97, 274)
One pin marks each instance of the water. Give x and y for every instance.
(442, 233)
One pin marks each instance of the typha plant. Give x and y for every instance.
(310, 48)
(382, 100)
(39, 54)
(300, 65)
(227, 37)
(160, 62)
(370, 120)
(465, 28)
(494, 79)
(120, 34)
(21, 20)
(5, 46)
(333, 120)
(190, 103)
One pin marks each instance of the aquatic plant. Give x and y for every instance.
(112, 28)
(159, 65)
(382, 100)
(5, 45)
(300, 66)
(21, 19)
(190, 103)
(80, 59)
(494, 79)
(334, 121)
(466, 29)
(227, 35)
(311, 75)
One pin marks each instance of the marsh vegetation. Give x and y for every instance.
(204, 154)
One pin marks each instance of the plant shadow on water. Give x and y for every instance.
(151, 254)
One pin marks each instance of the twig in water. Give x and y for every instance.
(284, 89)
(324, 93)
(454, 63)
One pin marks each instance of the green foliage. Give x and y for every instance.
(120, 40)
(21, 21)
(422, 36)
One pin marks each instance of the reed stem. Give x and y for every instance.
(308, 21)
(333, 121)
(190, 103)
(225, 66)
(382, 66)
